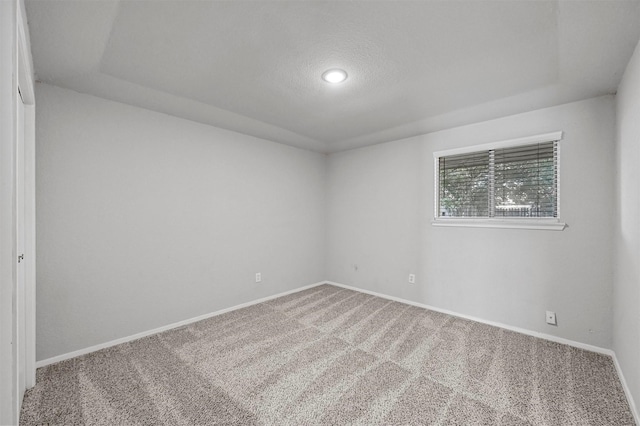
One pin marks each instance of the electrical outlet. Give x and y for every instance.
(412, 279)
(551, 318)
(258, 277)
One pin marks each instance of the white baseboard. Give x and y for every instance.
(549, 337)
(484, 321)
(136, 336)
(627, 391)
(556, 339)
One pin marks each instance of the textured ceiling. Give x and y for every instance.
(414, 67)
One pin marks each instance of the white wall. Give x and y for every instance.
(380, 208)
(626, 288)
(145, 219)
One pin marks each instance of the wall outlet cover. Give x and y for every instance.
(551, 318)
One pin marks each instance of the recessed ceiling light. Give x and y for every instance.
(334, 76)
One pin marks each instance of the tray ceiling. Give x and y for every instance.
(414, 67)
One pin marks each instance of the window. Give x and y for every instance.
(512, 184)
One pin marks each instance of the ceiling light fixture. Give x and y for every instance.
(334, 76)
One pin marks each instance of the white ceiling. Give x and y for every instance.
(414, 66)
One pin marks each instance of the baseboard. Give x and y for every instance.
(136, 336)
(483, 321)
(592, 348)
(549, 337)
(627, 391)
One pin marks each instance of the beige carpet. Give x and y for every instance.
(330, 356)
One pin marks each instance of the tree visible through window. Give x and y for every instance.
(519, 181)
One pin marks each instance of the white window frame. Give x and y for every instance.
(545, 223)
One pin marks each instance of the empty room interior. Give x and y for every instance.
(320, 212)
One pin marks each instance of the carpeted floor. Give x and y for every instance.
(330, 356)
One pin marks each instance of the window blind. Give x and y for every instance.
(525, 181)
(520, 181)
(464, 185)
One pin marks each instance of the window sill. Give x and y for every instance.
(541, 224)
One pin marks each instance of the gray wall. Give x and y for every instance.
(145, 219)
(626, 288)
(380, 208)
